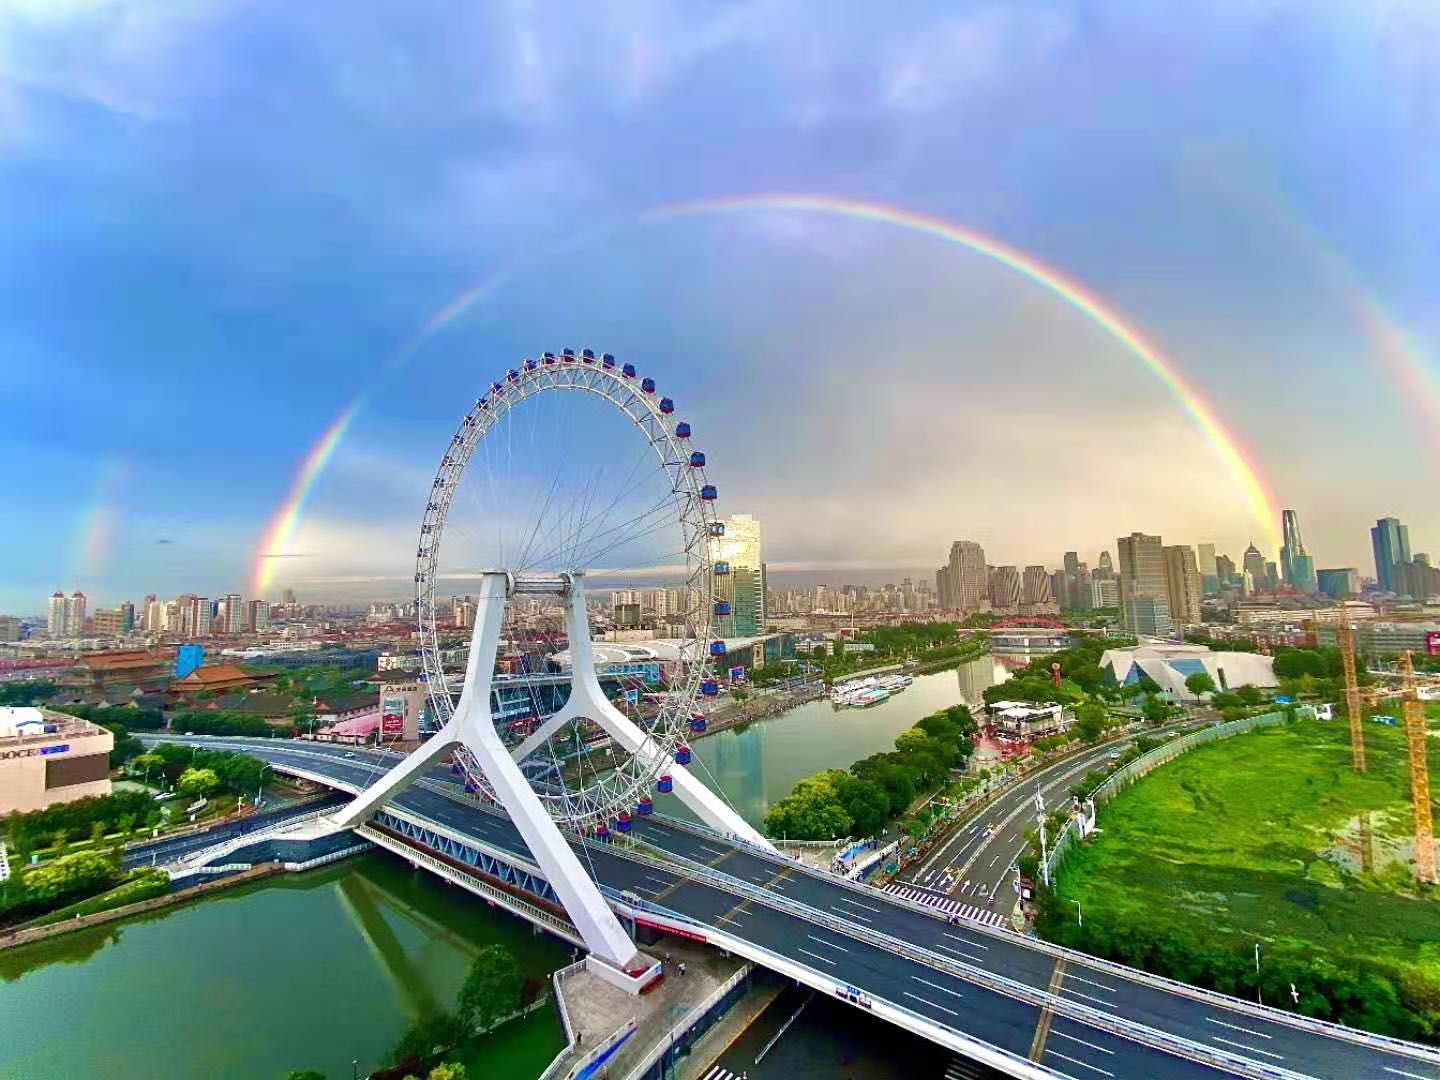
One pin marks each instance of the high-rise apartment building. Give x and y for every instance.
(287, 597)
(1035, 595)
(1005, 589)
(1183, 588)
(257, 615)
(1390, 541)
(199, 620)
(234, 614)
(55, 621)
(9, 628)
(1144, 600)
(744, 586)
(75, 614)
(154, 615)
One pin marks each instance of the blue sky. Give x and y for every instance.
(219, 222)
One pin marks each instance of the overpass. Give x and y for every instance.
(1025, 1007)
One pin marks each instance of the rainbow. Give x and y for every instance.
(283, 524)
(1259, 500)
(1238, 462)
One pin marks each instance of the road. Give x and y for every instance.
(978, 862)
(965, 1003)
(168, 849)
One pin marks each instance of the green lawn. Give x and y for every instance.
(1258, 838)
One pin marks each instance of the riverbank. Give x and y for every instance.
(18, 936)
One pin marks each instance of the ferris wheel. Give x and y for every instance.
(569, 478)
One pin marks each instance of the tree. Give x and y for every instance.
(1250, 695)
(429, 1034)
(866, 803)
(305, 1074)
(492, 988)
(1200, 683)
(198, 782)
(1089, 721)
(70, 875)
(1155, 710)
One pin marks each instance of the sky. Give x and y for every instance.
(230, 229)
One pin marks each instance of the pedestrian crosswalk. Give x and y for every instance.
(946, 906)
(718, 1072)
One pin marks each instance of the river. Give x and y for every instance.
(320, 969)
(313, 970)
(758, 764)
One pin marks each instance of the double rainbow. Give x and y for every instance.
(1238, 462)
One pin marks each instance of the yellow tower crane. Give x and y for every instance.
(1416, 741)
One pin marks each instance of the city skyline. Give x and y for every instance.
(1162, 289)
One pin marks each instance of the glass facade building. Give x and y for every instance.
(744, 586)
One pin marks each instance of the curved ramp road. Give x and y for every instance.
(978, 996)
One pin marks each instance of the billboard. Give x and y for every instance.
(737, 673)
(1432, 642)
(392, 715)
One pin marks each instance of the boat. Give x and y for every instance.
(860, 695)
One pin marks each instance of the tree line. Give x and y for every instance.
(875, 790)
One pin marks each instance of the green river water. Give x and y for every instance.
(322, 969)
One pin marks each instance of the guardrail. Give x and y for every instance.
(1123, 777)
(334, 856)
(982, 1051)
(200, 856)
(677, 1031)
(558, 1069)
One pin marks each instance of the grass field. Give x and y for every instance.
(1260, 838)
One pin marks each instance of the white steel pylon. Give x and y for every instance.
(588, 700)
(472, 727)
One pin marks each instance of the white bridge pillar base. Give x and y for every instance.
(471, 726)
(588, 700)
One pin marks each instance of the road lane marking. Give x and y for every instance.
(1247, 1049)
(817, 956)
(927, 1001)
(1082, 1064)
(937, 986)
(829, 944)
(957, 952)
(1092, 982)
(1087, 997)
(1082, 1042)
(867, 907)
(852, 915)
(1237, 1027)
(1402, 1072)
(730, 920)
(967, 941)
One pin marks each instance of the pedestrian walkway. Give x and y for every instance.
(949, 907)
(719, 1072)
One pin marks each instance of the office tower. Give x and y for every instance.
(968, 577)
(1035, 595)
(1417, 579)
(1292, 546)
(1209, 572)
(1005, 589)
(1224, 570)
(944, 594)
(1272, 574)
(1144, 603)
(1390, 541)
(1060, 589)
(1104, 568)
(1182, 585)
(1104, 592)
(1338, 582)
(1303, 567)
(75, 614)
(127, 616)
(744, 586)
(1254, 565)
(257, 615)
(55, 624)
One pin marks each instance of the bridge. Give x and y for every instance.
(1022, 1006)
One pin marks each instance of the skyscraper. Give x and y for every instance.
(1104, 568)
(75, 614)
(1224, 570)
(1209, 573)
(1035, 595)
(1339, 582)
(968, 577)
(1144, 602)
(744, 586)
(1391, 543)
(1005, 589)
(1182, 585)
(257, 615)
(198, 622)
(1291, 545)
(1254, 565)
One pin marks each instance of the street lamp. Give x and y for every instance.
(1257, 973)
(260, 783)
(1079, 919)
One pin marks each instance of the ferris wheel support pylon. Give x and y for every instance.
(588, 700)
(472, 727)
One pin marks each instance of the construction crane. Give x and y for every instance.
(1412, 711)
